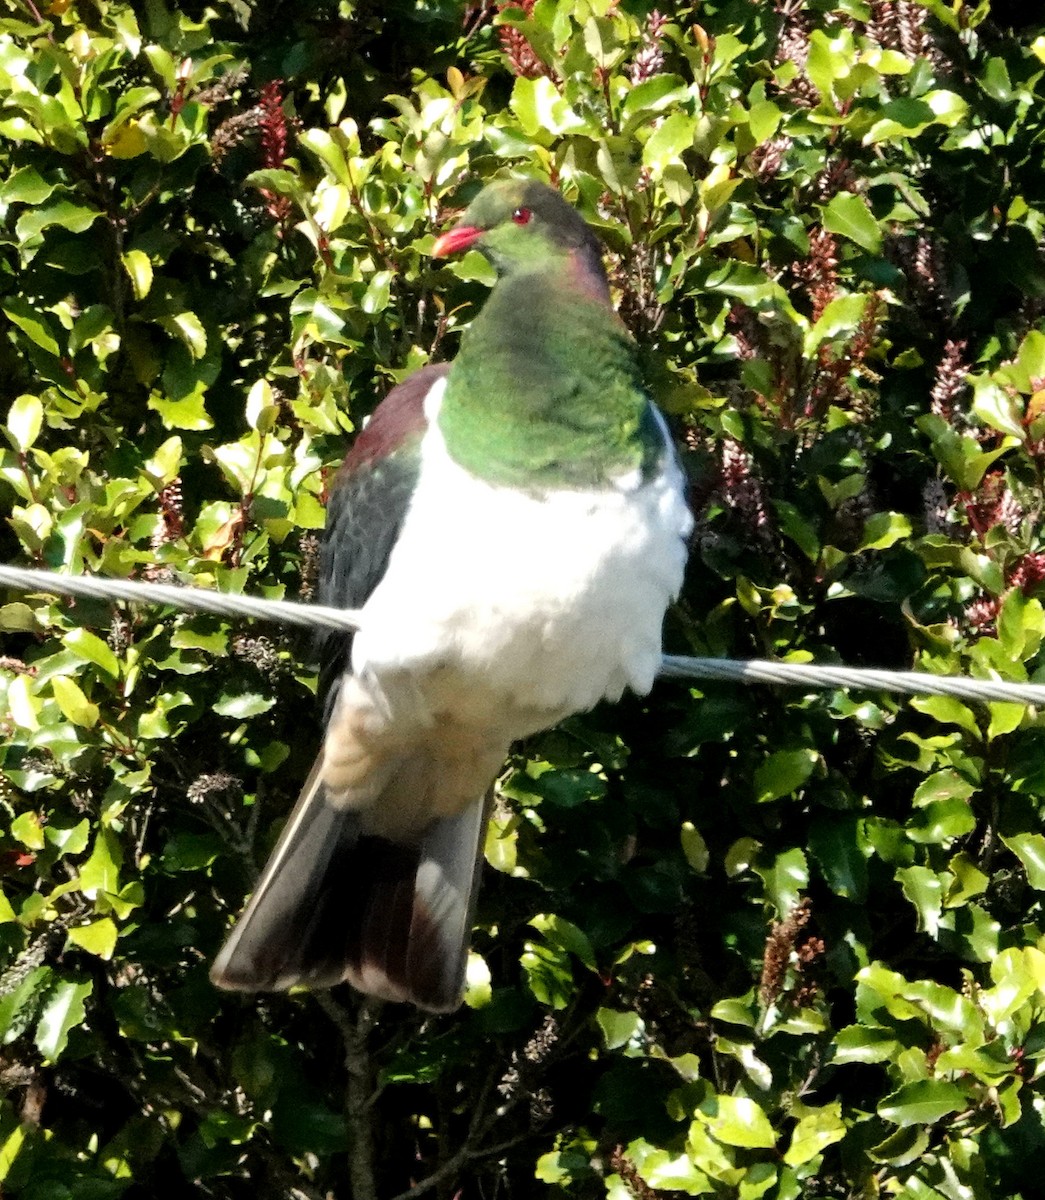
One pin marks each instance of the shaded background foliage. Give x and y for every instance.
(731, 943)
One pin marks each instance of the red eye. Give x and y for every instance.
(522, 216)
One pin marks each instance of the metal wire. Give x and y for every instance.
(912, 683)
(289, 612)
(190, 599)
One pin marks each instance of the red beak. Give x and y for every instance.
(458, 238)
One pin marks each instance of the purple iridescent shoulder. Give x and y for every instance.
(397, 419)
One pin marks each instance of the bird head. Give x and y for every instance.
(521, 225)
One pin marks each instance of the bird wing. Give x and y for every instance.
(368, 504)
(334, 903)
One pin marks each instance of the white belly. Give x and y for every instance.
(548, 603)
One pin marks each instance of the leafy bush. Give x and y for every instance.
(736, 943)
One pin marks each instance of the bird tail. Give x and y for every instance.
(335, 903)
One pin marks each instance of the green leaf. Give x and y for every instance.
(902, 118)
(996, 81)
(549, 974)
(20, 1005)
(191, 851)
(948, 710)
(948, 108)
(1028, 369)
(73, 218)
(969, 880)
(829, 59)
(783, 773)
(27, 828)
(100, 875)
(261, 411)
(187, 327)
(841, 850)
(139, 269)
(153, 722)
(164, 465)
(566, 936)
(1018, 973)
(923, 1102)
(996, 407)
(542, 110)
(330, 153)
(842, 315)
(557, 1167)
(1029, 848)
(375, 298)
(795, 525)
(884, 529)
(943, 785)
(17, 618)
(764, 119)
(651, 96)
(98, 938)
(924, 888)
(189, 413)
(63, 1010)
(849, 215)
(26, 186)
(70, 839)
(904, 1145)
(282, 183)
(737, 1121)
(478, 992)
(960, 455)
(1005, 718)
(735, 1010)
(90, 648)
(243, 705)
(817, 1129)
(941, 821)
(785, 879)
(219, 1128)
(865, 1044)
(677, 183)
(669, 141)
(666, 1172)
(694, 847)
(502, 844)
(618, 1028)
(74, 704)
(25, 419)
(32, 323)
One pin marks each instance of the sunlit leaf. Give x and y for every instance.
(63, 1010)
(923, 1102)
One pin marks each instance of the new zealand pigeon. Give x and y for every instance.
(512, 527)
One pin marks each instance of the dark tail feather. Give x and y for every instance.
(335, 904)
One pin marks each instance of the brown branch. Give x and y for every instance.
(538, 1052)
(15, 665)
(358, 1092)
(481, 1123)
(463, 1156)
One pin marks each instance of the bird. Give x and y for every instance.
(512, 527)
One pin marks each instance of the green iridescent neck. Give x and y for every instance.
(545, 391)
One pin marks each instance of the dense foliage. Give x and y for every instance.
(732, 942)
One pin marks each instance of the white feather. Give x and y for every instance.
(543, 603)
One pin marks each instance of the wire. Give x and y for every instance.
(190, 599)
(913, 683)
(289, 612)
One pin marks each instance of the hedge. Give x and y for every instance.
(732, 942)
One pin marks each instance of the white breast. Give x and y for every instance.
(551, 601)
